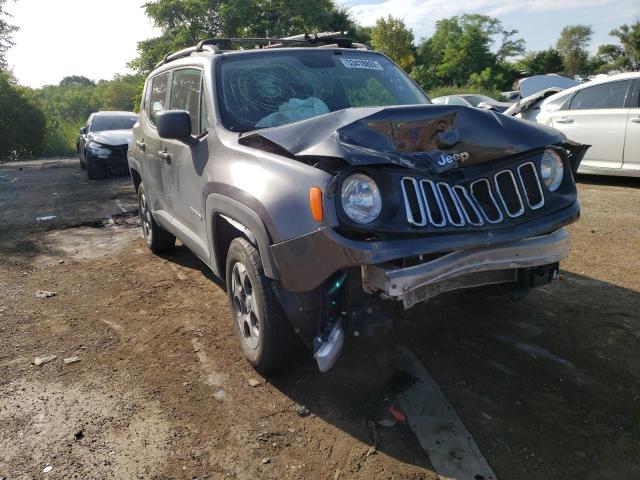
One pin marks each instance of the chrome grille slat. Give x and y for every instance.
(407, 202)
(459, 188)
(524, 187)
(493, 200)
(518, 212)
(454, 200)
(438, 198)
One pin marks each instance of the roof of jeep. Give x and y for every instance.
(222, 46)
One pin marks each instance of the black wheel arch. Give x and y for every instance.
(227, 218)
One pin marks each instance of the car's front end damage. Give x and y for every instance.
(461, 198)
(109, 150)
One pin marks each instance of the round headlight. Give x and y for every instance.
(361, 198)
(552, 169)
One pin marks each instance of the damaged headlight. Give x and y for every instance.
(99, 150)
(361, 199)
(552, 169)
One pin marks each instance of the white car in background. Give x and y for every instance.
(605, 114)
(472, 100)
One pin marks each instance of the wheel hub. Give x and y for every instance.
(245, 306)
(145, 217)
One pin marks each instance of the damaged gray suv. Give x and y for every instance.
(321, 185)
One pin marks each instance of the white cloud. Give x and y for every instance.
(421, 15)
(94, 38)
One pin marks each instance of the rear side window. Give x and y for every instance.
(606, 95)
(157, 96)
(185, 94)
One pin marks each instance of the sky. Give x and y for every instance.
(96, 38)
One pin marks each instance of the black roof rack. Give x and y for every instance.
(218, 45)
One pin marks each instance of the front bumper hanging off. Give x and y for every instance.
(464, 269)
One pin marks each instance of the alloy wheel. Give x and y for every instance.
(245, 306)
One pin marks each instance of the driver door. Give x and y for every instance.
(183, 171)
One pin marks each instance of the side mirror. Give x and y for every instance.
(83, 131)
(174, 124)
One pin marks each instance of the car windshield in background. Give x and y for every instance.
(267, 90)
(112, 122)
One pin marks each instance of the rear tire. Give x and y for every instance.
(158, 239)
(265, 335)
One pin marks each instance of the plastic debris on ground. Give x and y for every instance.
(45, 294)
(42, 360)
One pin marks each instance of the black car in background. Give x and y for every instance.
(103, 143)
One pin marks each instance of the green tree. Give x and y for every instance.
(572, 45)
(609, 57)
(391, 37)
(6, 32)
(462, 46)
(76, 81)
(122, 93)
(541, 62)
(22, 123)
(183, 23)
(629, 37)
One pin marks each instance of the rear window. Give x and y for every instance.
(269, 89)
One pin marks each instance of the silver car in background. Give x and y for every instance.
(605, 114)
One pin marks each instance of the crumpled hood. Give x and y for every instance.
(113, 138)
(420, 136)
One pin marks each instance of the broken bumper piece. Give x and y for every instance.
(329, 348)
(464, 269)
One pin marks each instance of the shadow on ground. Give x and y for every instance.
(545, 385)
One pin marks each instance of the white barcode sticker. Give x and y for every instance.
(360, 63)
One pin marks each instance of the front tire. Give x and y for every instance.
(158, 239)
(263, 330)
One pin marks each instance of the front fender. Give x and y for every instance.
(218, 204)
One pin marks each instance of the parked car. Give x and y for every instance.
(604, 113)
(528, 108)
(321, 185)
(103, 142)
(472, 100)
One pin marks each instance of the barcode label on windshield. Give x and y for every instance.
(359, 63)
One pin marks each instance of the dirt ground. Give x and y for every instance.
(549, 387)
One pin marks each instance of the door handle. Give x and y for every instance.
(165, 156)
(140, 145)
(564, 120)
(635, 119)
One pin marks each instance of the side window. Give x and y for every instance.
(606, 95)
(185, 94)
(157, 96)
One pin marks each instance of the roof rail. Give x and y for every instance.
(218, 45)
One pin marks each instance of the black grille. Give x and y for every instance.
(488, 200)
